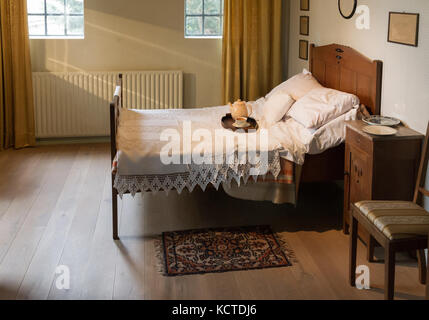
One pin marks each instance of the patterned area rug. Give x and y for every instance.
(223, 250)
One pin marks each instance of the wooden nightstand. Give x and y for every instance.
(379, 168)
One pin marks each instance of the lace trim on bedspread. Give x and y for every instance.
(199, 175)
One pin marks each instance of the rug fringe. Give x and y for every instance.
(285, 247)
(290, 253)
(159, 253)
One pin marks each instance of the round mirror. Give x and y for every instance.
(347, 8)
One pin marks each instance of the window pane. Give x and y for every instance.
(194, 6)
(194, 26)
(55, 6)
(36, 25)
(212, 6)
(75, 25)
(75, 6)
(36, 6)
(56, 25)
(212, 26)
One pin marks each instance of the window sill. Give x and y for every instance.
(203, 37)
(57, 37)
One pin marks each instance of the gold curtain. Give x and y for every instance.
(252, 48)
(16, 88)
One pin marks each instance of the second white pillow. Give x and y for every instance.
(276, 107)
(320, 106)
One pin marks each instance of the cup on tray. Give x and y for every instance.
(241, 122)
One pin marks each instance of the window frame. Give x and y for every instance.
(45, 15)
(203, 15)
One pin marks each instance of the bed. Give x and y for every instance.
(294, 155)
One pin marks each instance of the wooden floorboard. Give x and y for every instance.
(76, 252)
(99, 275)
(41, 271)
(55, 209)
(23, 246)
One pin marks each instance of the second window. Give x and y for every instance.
(203, 18)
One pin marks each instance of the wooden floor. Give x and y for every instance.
(55, 209)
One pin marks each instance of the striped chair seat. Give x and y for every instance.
(396, 219)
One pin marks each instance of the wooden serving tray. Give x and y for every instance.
(227, 123)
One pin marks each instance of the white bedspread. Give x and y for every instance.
(139, 133)
(139, 146)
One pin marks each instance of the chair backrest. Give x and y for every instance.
(421, 178)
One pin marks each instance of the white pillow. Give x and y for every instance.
(276, 107)
(297, 86)
(322, 105)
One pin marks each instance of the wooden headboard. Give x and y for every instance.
(343, 68)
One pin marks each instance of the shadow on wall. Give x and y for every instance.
(106, 45)
(38, 54)
(190, 94)
(164, 13)
(42, 62)
(61, 65)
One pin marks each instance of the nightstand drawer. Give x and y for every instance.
(358, 140)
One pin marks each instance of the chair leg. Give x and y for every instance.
(353, 250)
(389, 275)
(115, 214)
(421, 257)
(370, 249)
(346, 228)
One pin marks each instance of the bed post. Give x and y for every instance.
(114, 114)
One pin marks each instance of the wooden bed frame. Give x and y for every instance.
(334, 66)
(342, 68)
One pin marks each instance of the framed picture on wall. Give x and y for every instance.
(303, 49)
(305, 5)
(304, 25)
(404, 28)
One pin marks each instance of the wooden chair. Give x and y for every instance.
(397, 226)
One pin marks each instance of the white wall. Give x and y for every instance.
(131, 35)
(406, 69)
(127, 35)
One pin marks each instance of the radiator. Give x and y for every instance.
(76, 104)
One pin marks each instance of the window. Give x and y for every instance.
(203, 18)
(55, 18)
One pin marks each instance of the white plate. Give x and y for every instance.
(380, 130)
(243, 126)
(381, 121)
